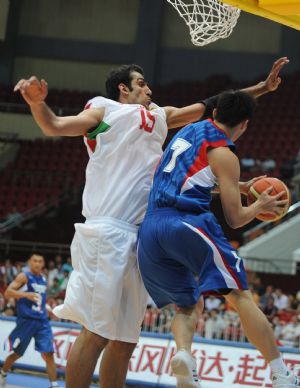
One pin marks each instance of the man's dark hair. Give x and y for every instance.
(233, 107)
(121, 75)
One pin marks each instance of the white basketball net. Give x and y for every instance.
(208, 20)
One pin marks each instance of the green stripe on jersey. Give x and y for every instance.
(102, 127)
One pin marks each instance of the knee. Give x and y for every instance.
(95, 339)
(236, 297)
(47, 357)
(188, 310)
(124, 349)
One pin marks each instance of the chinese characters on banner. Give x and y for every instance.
(218, 365)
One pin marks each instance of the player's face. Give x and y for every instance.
(36, 264)
(140, 93)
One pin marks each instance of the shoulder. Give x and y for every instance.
(101, 102)
(22, 277)
(158, 109)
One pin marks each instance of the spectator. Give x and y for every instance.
(258, 286)
(248, 163)
(58, 263)
(255, 295)
(67, 266)
(14, 216)
(267, 165)
(270, 310)
(52, 273)
(291, 331)
(55, 289)
(280, 299)
(9, 271)
(215, 325)
(265, 297)
(63, 282)
(211, 303)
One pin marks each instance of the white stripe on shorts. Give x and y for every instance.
(229, 280)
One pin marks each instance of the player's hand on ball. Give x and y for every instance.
(273, 80)
(33, 91)
(245, 186)
(271, 203)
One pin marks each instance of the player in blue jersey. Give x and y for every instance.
(182, 250)
(29, 289)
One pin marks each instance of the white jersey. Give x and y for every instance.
(124, 151)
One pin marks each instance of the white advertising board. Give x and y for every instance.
(220, 364)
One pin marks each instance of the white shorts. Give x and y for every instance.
(105, 293)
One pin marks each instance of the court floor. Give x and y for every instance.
(20, 380)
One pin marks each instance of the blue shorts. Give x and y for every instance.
(26, 329)
(182, 256)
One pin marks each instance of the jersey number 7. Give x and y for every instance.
(179, 146)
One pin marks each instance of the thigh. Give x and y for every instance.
(44, 338)
(222, 268)
(166, 275)
(21, 336)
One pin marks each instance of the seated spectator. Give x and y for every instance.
(63, 282)
(270, 310)
(215, 325)
(291, 331)
(55, 289)
(67, 266)
(258, 286)
(9, 272)
(265, 297)
(52, 273)
(255, 295)
(15, 216)
(280, 299)
(267, 165)
(211, 302)
(248, 163)
(58, 263)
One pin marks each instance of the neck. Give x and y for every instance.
(223, 128)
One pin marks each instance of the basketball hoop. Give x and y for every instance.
(208, 20)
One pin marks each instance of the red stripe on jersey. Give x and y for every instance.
(91, 143)
(201, 161)
(87, 106)
(229, 269)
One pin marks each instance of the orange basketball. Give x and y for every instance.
(260, 186)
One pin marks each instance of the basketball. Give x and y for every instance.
(260, 186)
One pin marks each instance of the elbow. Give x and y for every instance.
(233, 223)
(6, 294)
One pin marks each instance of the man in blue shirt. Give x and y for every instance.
(29, 289)
(182, 250)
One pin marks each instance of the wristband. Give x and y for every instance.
(210, 104)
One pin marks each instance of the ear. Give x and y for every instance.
(123, 89)
(214, 112)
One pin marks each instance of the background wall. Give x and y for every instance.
(74, 44)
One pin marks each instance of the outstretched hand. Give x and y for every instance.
(33, 91)
(273, 80)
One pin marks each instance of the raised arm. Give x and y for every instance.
(34, 93)
(271, 83)
(177, 117)
(225, 166)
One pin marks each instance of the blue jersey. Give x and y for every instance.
(27, 308)
(183, 179)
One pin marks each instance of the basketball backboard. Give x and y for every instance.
(286, 12)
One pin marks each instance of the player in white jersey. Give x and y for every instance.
(124, 136)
